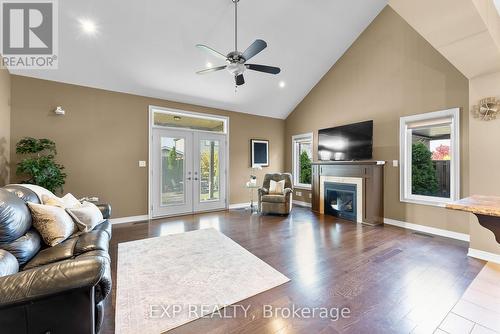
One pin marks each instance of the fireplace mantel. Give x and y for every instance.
(371, 174)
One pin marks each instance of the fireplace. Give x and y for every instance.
(341, 200)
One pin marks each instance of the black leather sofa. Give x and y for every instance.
(60, 289)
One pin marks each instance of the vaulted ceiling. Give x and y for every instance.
(148, 48)
(466, 32)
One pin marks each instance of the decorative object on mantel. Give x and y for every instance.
(487, 109)
(259, 153)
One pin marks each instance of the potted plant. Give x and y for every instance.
(40, 166)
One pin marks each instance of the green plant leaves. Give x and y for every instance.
(40, 167)
(424, 179)
(29, 145)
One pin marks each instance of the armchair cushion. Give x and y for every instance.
(274, 198)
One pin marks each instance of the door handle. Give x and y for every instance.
(189, 178)
(196, 179)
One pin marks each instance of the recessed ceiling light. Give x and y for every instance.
(282, 84)
(209, 65)
(497, 5)
(88, 26)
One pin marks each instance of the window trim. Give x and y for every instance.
(295, 139)
(405, 151)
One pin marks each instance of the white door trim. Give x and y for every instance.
(151, 110)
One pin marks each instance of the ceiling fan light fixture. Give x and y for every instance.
(236, 60)
(236, 68)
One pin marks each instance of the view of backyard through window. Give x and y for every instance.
(172, 170)
(209, 170)
(431, 157)
(303, 158)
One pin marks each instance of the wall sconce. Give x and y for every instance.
(60, 111)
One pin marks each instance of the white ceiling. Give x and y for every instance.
(148, 48)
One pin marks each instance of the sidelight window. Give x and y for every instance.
(302, 146)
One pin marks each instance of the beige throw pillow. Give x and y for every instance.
(277, 188)
(67, 201)
(86, 217)
(52, 222)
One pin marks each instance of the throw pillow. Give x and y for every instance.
(86, 217)
(277, 188)
(52, 222)
(67, 201)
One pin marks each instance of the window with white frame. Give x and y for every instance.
(430, 157)
(302, 146)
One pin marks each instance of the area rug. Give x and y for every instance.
(167, 281)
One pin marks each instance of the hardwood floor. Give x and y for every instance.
(393, 280)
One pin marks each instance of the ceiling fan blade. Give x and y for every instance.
(211, 51)
(240, 80)
(210, 70)
(264, 68)
(254, 49)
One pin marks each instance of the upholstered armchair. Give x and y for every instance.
(276, 203)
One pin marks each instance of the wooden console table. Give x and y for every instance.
(371, 172)
(486, 209)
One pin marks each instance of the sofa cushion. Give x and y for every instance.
(274, 198)
(60, 252)
(39, 191)
(93, 240)
(8, 263)
(15, 218)
(27, 195)
(25, 247)
(106, 227)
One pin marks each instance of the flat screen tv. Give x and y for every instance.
(346, 143)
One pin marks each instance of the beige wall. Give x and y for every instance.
(4, 126)
(389, 72)
(484, 157)
(104, 134)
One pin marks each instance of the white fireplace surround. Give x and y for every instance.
(345, 180)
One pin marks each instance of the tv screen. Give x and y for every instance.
(346, 143)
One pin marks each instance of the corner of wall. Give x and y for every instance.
(5, 94)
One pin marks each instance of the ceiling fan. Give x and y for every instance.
(236, 60)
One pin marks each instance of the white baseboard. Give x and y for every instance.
(130, 219)
(482, 255)
(240, 205)
(300, 203)
(429, 230)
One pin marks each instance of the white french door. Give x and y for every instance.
(188, 172)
